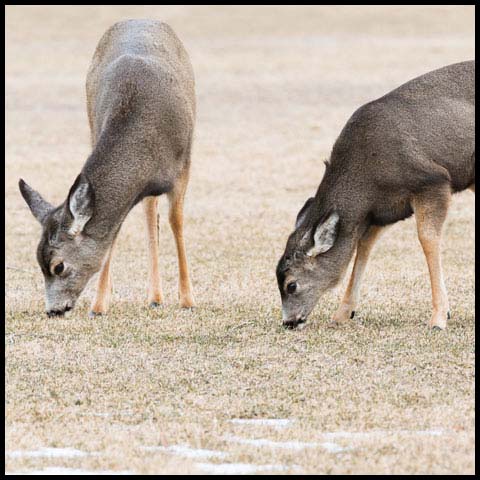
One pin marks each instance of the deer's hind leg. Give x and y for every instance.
(430, 208)
(176, 198)
(346, 310)
(155, 295)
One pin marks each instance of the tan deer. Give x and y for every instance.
(141, 110)
(403, 154)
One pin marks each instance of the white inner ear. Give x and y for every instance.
(78, 207)
(78, 224)
(324, 236)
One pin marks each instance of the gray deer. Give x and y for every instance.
(141, 111)
(402, 154)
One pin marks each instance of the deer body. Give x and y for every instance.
(402, 154)
(141, 111)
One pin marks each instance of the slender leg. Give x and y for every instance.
(430, 210)
(155, 295)
(104, 286)
(346, 309)
(176, 198)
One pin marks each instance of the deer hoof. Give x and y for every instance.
(187, 303)
(342, 316)
(95, 314)
(439, 319)
(155, 304)
(188, 307)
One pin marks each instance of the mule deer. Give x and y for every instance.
(141, 111)
(402, 154)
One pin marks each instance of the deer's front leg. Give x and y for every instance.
(346, 310)
(104, 286)
(430, 211)
(155, 295)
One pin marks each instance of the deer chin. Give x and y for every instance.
(293, 322)
(59, 312)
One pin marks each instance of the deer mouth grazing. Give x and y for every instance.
(294, 322)
(59, 313)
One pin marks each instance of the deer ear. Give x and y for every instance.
(38, 206)
(80, 204)
(303, 213)
(325, 235)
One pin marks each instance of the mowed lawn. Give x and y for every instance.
(275, 85)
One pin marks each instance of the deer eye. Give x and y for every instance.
(291, 287)
(58, 269)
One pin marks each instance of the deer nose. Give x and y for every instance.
(293, 322)
(290, 324)
(59, 313)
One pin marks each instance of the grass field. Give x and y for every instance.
(275, 85)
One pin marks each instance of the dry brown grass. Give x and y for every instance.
(275, 86)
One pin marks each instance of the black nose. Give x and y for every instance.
(290, 324)
(59, 313)
(293, 323)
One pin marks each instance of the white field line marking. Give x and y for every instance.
(290, 445)
(329, 446)
(186, 451)
(379, 433)
(269, 422)
(240, 468)
(49, 453)
(70, 471)
(334, 447)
